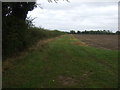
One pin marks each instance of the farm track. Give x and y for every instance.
(63, 62)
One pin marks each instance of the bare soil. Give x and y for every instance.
(100, 41)
(67, 81)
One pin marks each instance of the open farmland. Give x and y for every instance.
(59, 44)
(100, 41)
(63, 62)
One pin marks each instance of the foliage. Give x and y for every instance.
(36, 34)
(17, 39)
(13, 36)
(118, 32)
(14, 27)
(18, 32)
(72, 32)
(17, 9)
(92, 32)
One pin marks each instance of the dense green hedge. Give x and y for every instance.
(17, 37)
(35, 34)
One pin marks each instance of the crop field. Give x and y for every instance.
(67, 61)
(100, 41)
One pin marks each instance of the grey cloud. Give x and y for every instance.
(77, 15)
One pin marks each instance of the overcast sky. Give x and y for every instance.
(76, 15)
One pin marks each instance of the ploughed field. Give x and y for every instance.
(100, 41)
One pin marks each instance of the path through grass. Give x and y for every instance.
(64, 62)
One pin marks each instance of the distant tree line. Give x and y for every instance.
(108, 32)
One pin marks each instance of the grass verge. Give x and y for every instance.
(63, 63)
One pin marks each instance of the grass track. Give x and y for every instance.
(63, 63)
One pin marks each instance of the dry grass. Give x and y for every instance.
(80, 43)
(8, 63)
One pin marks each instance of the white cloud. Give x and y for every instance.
(76, 15)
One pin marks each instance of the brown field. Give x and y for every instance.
(100, 41)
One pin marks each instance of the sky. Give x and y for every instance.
(76, 15)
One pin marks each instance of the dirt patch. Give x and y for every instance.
(100, 41)
(67, 81)
(80, 43)
(74, 80)
(85, 75)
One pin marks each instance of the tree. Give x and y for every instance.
(15, 26)
(17, 9)
(72, 32)
(117, 32)
(78, 32)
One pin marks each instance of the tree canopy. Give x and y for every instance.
(17, 9)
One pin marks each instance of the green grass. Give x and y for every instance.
(61, 63)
